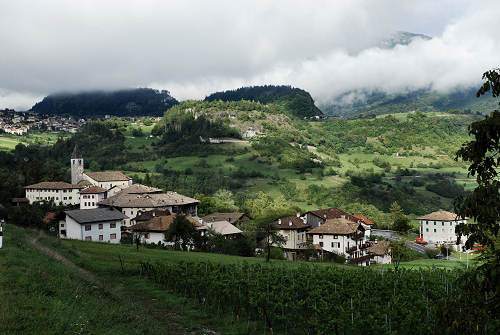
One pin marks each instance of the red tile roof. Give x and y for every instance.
(290, 222)
(364, 219)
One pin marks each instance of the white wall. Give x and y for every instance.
(108, 184)
(294, 238)
(440, 231)
(61, 196)
(77, 231)
(339, 243)
(88, 201)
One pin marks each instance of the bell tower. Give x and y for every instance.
(76, 166)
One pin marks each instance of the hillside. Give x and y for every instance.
(131, 102)
(361, 103)
(360, 165)
(296, 102)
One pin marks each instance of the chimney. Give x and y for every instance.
(298, 214)
(279, 221)
(289, 223)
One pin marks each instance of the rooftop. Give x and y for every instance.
(160, 223)
(337, 226)
(93, 190)
(290, 222)
(224, 228)
(332, 213)
(441, 216)
(107, 176)
(53, 185)
(141, 189)
(130, 200)
(229, 217)
(95, 215)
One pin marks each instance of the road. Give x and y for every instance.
(392, 235)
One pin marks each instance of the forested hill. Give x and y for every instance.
(130, 102)
(295, 100)
(353, 104)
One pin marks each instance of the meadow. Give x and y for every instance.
(152, 291)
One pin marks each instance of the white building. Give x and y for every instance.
(343, 237)
(58, 191)
(98, 224)
(90, 196)
(380, 252)
(106, 179)
(293, 229)
(439, 228)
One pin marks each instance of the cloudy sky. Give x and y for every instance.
(193, 48)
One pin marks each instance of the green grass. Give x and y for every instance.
(40, 295)
(8, 142)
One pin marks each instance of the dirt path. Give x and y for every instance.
(147, 303)
(49, 252)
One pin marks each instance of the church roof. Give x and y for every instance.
(107, 176)
(76, 153)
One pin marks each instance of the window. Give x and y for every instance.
(100, 225)
(88, 238)
(62, 225)
(442, 223)
(338, 245)
(435, 229)
(321, 244)
(332, 245)
(112, 225)
(146, 235)
(88, 227)
(335, 237)
(101, 237)
(112, 236)
(426, 230)
(451, 223)
(321, 236)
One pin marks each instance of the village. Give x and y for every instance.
(109, 207)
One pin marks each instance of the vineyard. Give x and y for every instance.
(320, 300)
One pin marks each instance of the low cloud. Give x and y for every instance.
(194, 48)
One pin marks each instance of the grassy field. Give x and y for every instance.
(40, 295)
(8, 142)
(44, 296)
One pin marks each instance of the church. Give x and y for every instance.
(62, 193)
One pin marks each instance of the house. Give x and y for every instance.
(232, 218)
(379, 252)
(131, 204)
(97, 224)
(318, 217)
(439, 228)
(293, 229)
(105, 180)
(90, 196)
(153, 230)
(60, 192)
(343, 237)
(224, 228)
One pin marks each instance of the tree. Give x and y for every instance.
(224, 201)
(206, 204)
(182, 232)
(483, 204)
(270, 235)
(399, 221)
(399, 251)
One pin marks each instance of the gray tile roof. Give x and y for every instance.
(95, 215)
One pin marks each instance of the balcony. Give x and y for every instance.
(358, 236)
(351, 249)
(361, 259)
